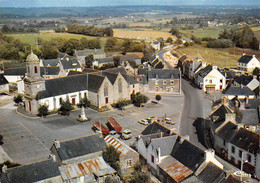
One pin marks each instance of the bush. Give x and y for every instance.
(111, 156)
(220, 43)
(66, 106)
(43, 110)
(139, 98)
(18, 98)
(158, 97)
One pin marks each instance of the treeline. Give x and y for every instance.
(7, 29)
(86, 30)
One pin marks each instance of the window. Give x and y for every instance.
(120, 85)
(35, 69)
(129, 163)
(28, 68)
(60, 101)
(240, 153)
(232, 159)
(106, 89)
(210, 81)
(233, 149)
(133, 86)
(164, 82)
(239, 163)
(249, 158)
(172, 82)
(221, 81)
(152, 158)
(224, 143)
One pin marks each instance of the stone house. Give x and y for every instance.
(97, 54)
(4, 84)
(101, 61)
(248, 63)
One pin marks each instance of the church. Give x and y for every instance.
(102, 88)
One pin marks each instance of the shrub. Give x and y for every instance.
(139, 99)
(220, 43)
(18, 98)
(111, 156)
(158, 97)
(66, 106)
(43, 110)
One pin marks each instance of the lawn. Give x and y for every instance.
(217, 56)
(257, 32)
(31, 38)
(212, 32)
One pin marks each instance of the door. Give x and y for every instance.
(106, 100)
(30, 106)
(220, 87)
(73, 101)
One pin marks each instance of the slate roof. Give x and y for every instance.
(143, 71)
(245, 59)
(188, 154)
(220, 113)
(80, 146)
(249, 117)
(90, 52)
(129, 57)
(62, 55)
(164, 74)
(165, 143)
(204, 71)
(237, 90)
(147, 138)
(31, 173)
(211, 173)
(111, 76)
(243, 79)
(228, 74)
(105, 60)
(69, 84)
(227, 131)
(3, 80)
(70, 64)
(50, 70)
(155, 61)
(246, 140)
(254, 103)
(51, 62)
(155, 127)
(88, 70)
(22, 70)
(117, 70)
(15, 71)
(230, 179)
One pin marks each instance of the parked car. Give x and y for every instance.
(114, 133)
(126, 134)
(169, 121)
(143, 121)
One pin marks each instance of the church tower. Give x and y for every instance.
(33, 83)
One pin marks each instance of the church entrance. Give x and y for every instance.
(106, 100)
(73, 101)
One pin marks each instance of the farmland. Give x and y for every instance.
(221, 57)
(205, 32)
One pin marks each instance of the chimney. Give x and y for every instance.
(253, 56)
(209, 155)
(230, 117)
(56, 143)
(4, 168)
(215, 67)
(244, 54)
(159, 154)
(53, 157)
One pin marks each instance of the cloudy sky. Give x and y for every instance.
(68, 3)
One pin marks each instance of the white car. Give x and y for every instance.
(143, 121)
(114, 133)
(126, 134)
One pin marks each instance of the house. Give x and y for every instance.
(239, 92)
(43, 171)
(97, 54)
(130, 57)
(248, 63)
(162, 81)
(50, 63)
(229, 75)
(4, 84)
(101, 61)
(156, 45)
(71, 64)
(81, 159)
(250, 81)
(156, 63)
(155, 128)
(210, 79)
(128, 157)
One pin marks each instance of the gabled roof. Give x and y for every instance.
(237, 90)
(188, 154)
(20, 71)
(243, 79)
(165, 143)
(227, 131)
(220, 113)
(70, 64)
(117, 70)
(228, 74)
(105, 60)
(249, 117)
(155, 61)
(164, 74)
(254, 103)
(129, 57)
(88, 70)
(3, 80)
(245, 59)
(51, 62)
(31, 173)
(90, 52)
(182, 58)
(246, 140)
(211, 173)
(80, 146)
(70, 84)
(147, 138)
(159, 65)
(15, 71)
(230, 179)
(155, 127)
(204, 71)
(50, 70)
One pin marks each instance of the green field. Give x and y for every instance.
(257, 32)
(218, 56)
(203, 32)
(31, 38)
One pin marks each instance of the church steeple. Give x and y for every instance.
(33, 66)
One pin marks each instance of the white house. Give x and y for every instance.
(250, 81)
(156, 45)
(248, 63)
(210, 79)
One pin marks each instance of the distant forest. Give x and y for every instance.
(117, 11)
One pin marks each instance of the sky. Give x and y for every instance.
(89, 3)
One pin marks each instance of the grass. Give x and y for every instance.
(220, 57)
(31, 38)
(212, 32)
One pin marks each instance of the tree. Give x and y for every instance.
(117, 61)
(89, 60)
(169, 40)
(178, 41)
(18, 98)
(49, 52)
(83, 104)
(139, 175)
(111, 156)
(66, 106)
(139, 98)
(110, 44)
(158, 97)
(43, 110)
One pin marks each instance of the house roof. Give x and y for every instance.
(176, 170)
(51, 62)
(237, 90)
(220, 113)
(50, 70)
(254, 103)
(246, 140)
(155, 127)
(159, 65)
(155, 61)
(70, 64)
(227, 131)
(211, 173)
(243, 79)
(117, 70)
(129, 57)
(62, 55)
(204, 71)
(3, 80)
(80, 146)
(90, 52)
(20, 71)
(105, 60)
(165, 143)
(164, 74)
(139, 54)
(70, 84)
(31, 173)
(96, 166)
(228, 74)
(182, 58)
(188, 154)
(249, 117)
(245, 59)
(15, 71)
(147, 138)
(230, 179)
(88, 70)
